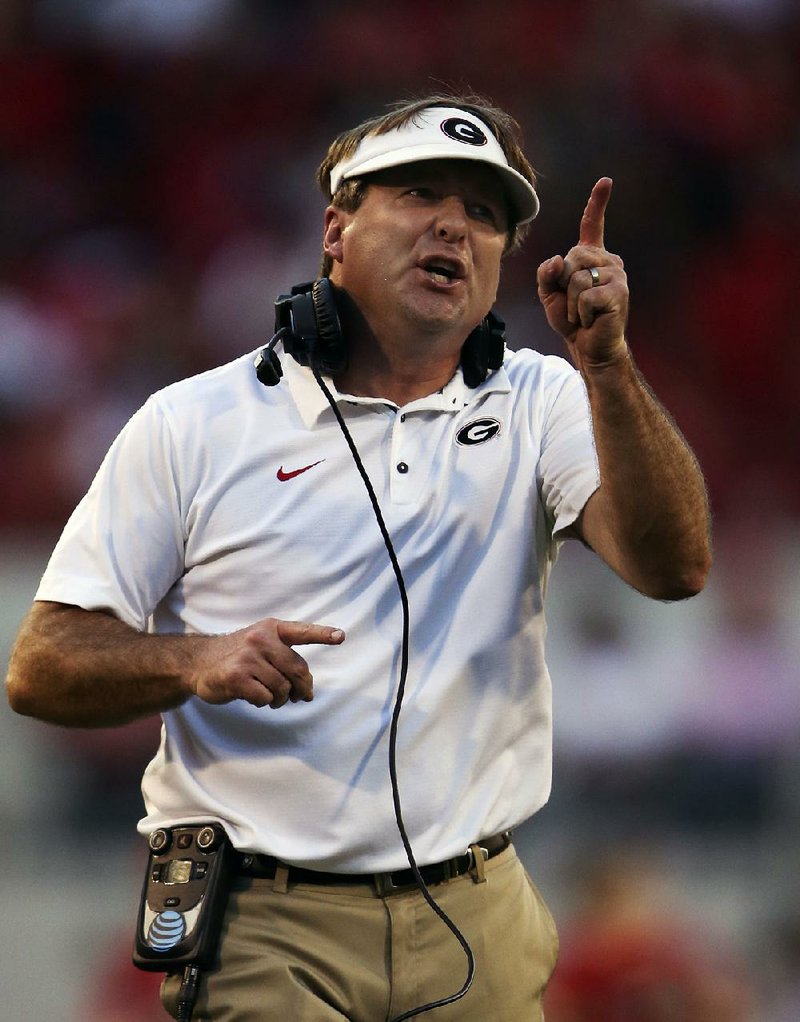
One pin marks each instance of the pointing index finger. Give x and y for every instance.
(302, 633)
(594, 216)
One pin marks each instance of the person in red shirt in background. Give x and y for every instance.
(627, 957)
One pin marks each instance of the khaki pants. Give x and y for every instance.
(344, 954)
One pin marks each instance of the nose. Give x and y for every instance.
(451, 219)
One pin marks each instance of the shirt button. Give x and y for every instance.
(403, 417)
(402, 467)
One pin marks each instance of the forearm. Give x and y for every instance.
(650, 518)
(88, 669)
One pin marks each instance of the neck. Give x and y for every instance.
(400, 365)
(400, 384)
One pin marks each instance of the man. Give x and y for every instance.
(228, 525)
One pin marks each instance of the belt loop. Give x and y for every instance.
(479, 856)
(281, 882)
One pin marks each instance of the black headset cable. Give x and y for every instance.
(398, 812)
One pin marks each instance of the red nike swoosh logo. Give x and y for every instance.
(283, 476)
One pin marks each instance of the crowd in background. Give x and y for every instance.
(155, 201)
(157, 194)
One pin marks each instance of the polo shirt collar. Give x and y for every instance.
(313, 405)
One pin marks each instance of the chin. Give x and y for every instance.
(432, 315)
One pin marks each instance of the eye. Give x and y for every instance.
(422, 192)
(480, 211)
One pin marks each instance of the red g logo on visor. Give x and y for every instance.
(461, 130)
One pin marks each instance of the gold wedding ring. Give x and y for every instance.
(595, 275)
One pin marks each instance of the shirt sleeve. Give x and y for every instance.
(123, 546)
(570, 472)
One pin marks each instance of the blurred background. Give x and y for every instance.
(156, 194)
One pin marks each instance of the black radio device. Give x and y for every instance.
(307, 320)
(183, 898)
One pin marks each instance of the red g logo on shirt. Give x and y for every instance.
(478, 431)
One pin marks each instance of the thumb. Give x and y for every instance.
(548, 276)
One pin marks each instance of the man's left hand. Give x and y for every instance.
(585, 292)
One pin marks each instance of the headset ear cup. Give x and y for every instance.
(483, 350)
(296, 322)
(330, 353)
(496, 345)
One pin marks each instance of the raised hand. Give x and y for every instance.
(585, 292)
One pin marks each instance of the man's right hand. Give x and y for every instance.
(83, 668)
(258, 664)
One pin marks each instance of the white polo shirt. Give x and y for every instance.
(223, 502)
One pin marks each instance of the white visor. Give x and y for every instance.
(440, 133)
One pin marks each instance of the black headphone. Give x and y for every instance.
(307, 321)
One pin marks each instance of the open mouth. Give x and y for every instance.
(443, 271)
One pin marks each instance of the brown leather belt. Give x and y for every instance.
(250, 864)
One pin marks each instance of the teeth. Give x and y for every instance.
(439, 278)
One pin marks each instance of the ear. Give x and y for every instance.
(335, 222)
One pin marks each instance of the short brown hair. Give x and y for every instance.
(351, 192)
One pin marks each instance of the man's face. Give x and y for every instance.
(423, 249)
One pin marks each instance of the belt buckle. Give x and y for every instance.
(385, 885)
